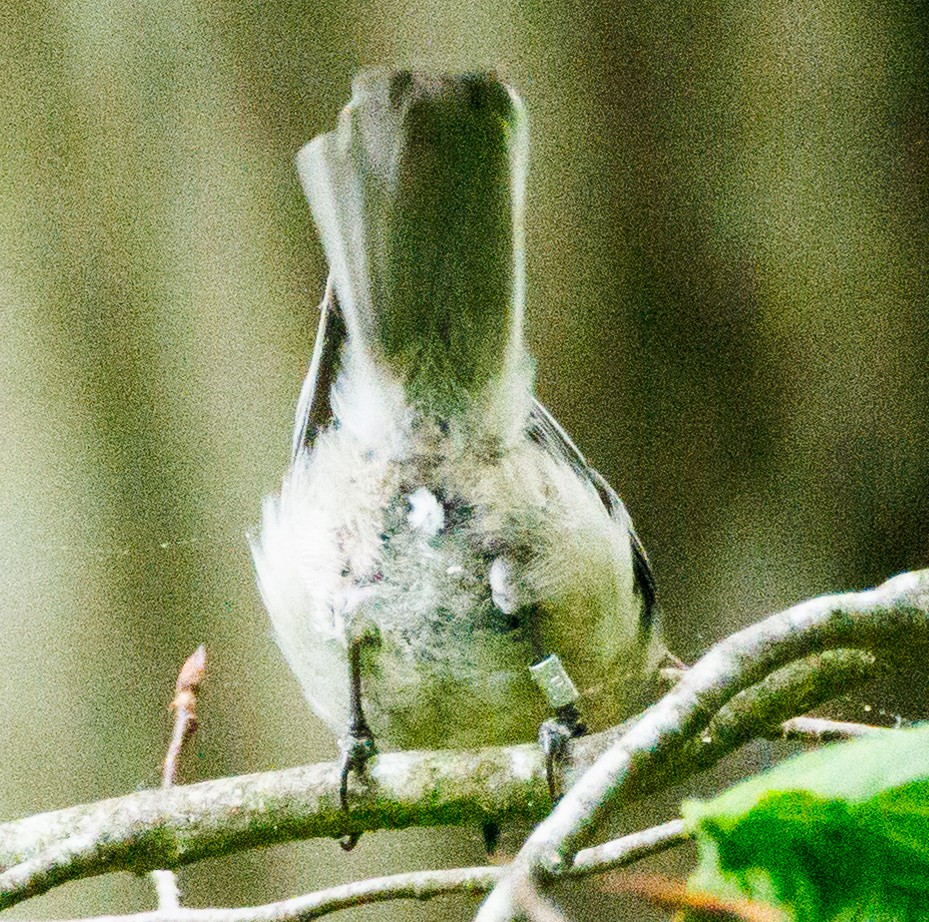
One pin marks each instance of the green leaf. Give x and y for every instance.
(837, 834)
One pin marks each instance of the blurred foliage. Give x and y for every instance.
(728, 276)
(834, 835)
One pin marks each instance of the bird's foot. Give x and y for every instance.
(356, 750)
(554, 735)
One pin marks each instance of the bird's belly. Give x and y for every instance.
(457, 691)
(440, 664)
(444, 666)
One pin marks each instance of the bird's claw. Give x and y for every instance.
(554, 735)
(356, 750)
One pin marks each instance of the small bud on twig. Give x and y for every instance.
(184, 706)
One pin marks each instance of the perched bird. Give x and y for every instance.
(442, 567)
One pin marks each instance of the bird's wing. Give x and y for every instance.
(545, 430)
(314, 410)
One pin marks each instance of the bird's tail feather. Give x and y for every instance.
(418, 197)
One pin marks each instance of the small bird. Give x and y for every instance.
(442, 567)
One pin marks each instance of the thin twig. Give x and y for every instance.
(757, 712)
(820, 730)
(619, 853)
(166, 890)
(184, 706)
(878, 617)
(419, 885)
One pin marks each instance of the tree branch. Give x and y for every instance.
(168, 829)
(153, 829)
(419, 885)
(895, 612)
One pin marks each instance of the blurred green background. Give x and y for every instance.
(728, 280)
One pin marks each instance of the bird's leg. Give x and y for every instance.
(359, 745)
(554, 735)
(556, 684)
